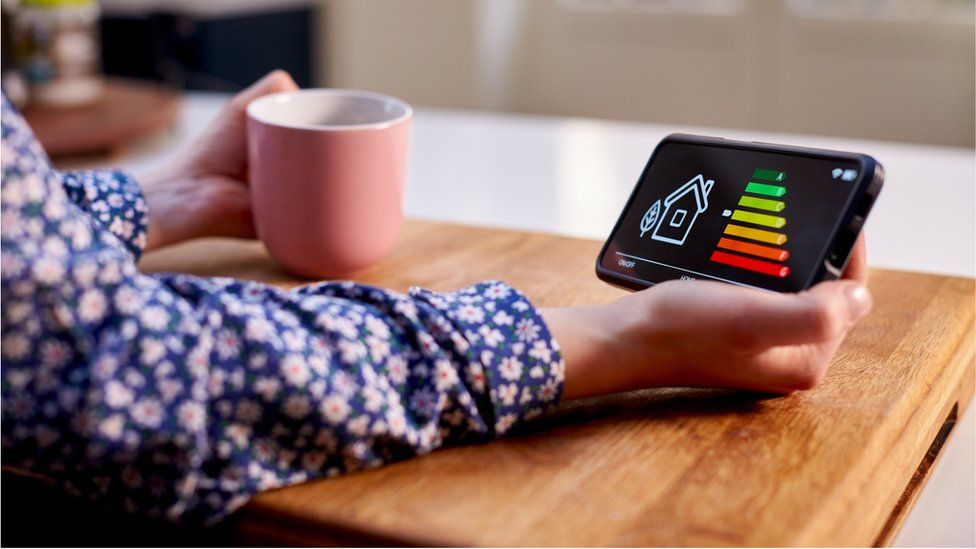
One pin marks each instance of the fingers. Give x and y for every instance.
(273, 82)
(795, 367)
(750, 320)
(821, 314)
(857, 267)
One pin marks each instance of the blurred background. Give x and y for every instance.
(897, 70)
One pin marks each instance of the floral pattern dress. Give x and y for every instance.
(177, 396)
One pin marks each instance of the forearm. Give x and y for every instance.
(601, 350)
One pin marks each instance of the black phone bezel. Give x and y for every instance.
(835, 254)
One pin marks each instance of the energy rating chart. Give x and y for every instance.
(759, 206)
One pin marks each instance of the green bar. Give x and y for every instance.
(769, 175)
(773, 221)
(768, 190)
(762, 204)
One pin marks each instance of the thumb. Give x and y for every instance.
(825, 311)
(273, 82)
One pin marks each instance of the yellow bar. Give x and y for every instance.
(762, 203)
(756, 234)
(773, 221)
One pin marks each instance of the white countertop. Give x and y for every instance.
(572, 177)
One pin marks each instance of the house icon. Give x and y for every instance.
(681, 209)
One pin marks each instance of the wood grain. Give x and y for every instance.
(661, 467)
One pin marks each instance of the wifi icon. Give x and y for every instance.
(836, 172)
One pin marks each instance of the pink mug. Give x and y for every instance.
(327, 175)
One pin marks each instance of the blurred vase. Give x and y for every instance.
(57, 50)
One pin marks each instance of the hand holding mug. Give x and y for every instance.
(318, 175)
(205, 191)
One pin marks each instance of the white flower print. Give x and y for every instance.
(169, 389)
(148, 412)
(112, 427)
(471, 314)
(258, 329)
(502, 318)
(352, 351)
(248, 411)
(325, 439)
(54, 353)
(91, 306)
(396, 368)
(335, 409)
(153, 350)
(117, 395)
(540, 351)
(313, 461)
(377, 327)
(128, 300)
(428, 345)
(84, 273)
(267, 387)
(507, 394)
(228, 344)
(295, 370)
(358, 426)
(18, 379)
(505, 423)
(110, 274)
(372, 399)
(239, 434)
(423, 401)
(297, 407)
(497, 291)
(344, 384)
(511, 368)
(527, 330)
(15, 346)
(445, 374)
(491, 336)
(105, 366)
(191, 415)
(48, 271)
(297, 381)
(154, 318)
(547, 393)
(379, 349)
(475, 375)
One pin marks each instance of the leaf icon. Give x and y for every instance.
(649, 220)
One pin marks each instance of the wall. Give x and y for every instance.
(903, 74)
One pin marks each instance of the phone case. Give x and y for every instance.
(842, 236)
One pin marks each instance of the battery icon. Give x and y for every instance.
(849, 175)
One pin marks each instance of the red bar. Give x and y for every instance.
(767, 252)
(763, 267)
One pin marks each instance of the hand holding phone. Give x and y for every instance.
(759, 215)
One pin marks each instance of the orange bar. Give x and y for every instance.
(768, 252)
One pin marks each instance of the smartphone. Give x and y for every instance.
(766, 216)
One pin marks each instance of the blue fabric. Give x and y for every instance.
(178, 396)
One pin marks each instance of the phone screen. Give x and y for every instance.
(750, 217)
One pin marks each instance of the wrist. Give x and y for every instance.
(588, 344)
(169, 203)
(623, 346)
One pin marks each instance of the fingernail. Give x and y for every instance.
(858, 300)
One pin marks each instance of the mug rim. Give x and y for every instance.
(254, 105)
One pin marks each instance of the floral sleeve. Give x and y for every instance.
(178, 396)
(114, 201)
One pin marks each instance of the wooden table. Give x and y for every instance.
(838, 465)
